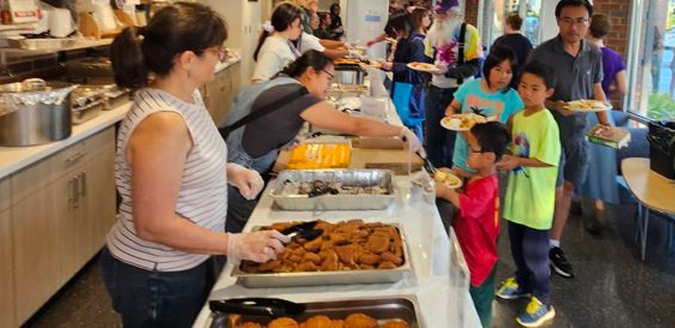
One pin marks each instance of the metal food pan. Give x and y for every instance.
(361, 177)
(404, 308)
(324, 278)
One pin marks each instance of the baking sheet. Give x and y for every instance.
(323, 278)
(404, 308)
(363, 177)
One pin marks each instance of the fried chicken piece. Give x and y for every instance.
(397, 247)
(307, 266)
(338, 324)
(360, 320)
(269, 265)
(314, 245)
(356, 221)
(386, 265)
(326, 245)
(369, 258)
(359, 234)
(319, 321)
(311, 257)
(284, 322)
(389, 256)
(250, 267)
(295, 258)
(249, 324)
(378, 243)
(395, 324)
(346, 254)
(327, 227)
(330, 263)
(299, 252)
(339, 238)
(366, 267)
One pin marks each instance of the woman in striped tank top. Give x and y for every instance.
(172, 174)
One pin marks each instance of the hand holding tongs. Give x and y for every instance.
(427, 164)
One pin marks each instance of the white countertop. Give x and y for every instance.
(13, 159)
(439, 280)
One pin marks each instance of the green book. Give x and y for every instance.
(619, 138)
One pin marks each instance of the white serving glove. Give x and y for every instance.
(413, 143)
(249, 182)
(259, 246)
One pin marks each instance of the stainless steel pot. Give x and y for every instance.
(34, 112)
(349, 74)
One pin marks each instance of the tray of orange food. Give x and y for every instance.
(422, 67)
(320, 156)
(386, 312)
(462, 122)
(347, 252)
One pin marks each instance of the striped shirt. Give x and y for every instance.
(202, 197)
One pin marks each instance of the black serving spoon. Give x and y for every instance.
(303, 230)
(258, 306)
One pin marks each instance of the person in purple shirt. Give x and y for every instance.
(600, 185)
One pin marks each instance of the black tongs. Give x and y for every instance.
(427, 164)
(303, 230)
(259, 306)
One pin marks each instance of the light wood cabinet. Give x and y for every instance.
(219, 94)
(6, 259)
(60, 218)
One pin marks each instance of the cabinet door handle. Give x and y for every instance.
(71, 193)
(82, 184)
(76, 158)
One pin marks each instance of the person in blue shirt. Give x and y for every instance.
(490, 96)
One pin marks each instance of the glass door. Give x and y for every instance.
(492, 17)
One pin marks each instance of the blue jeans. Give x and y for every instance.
(439, 141)
(529, 248)
(156, 299)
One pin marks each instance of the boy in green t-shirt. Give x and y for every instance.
(530, 195)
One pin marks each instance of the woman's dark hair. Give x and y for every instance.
(323, 17)
(492, 137)
(540, 69)
(283, 16)
(497, 55)
(314, 59)
(515, 21)
(401, 22)
(333, 7)
(573, 3)
(600, 25)
(417, 16)
(172, 30)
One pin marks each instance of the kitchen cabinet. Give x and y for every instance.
(6, 259)
(61, 209)
(219, 94)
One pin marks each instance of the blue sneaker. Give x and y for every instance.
(509, 290)
(536, 314)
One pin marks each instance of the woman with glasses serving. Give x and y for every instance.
(297, 96)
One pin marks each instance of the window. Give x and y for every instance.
(492, 17)
(651, 60)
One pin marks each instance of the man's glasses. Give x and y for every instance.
(578, 21)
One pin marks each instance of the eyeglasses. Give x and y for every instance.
(578, 21)
(221, 52)
(331, 76)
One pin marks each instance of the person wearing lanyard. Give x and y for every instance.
(577, 64)
(275, 48)
(257, 144)
(172, 174)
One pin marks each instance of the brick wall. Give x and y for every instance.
(471, 12)
(618, 12)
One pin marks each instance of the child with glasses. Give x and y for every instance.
(530, 195)
(477, 226)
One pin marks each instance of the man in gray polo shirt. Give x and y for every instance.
(578, 68)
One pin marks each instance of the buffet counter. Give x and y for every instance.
(439, 279)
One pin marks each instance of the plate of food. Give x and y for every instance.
(447, 177)
(587, 105)
(422, 67)
(462, 122)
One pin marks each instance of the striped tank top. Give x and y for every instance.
(202, 197)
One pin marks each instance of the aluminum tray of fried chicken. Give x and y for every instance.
(388, 312)
(351, 189)
(348, 252)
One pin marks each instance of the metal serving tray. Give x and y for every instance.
(404, 307)
(324, 278)
(359, 177)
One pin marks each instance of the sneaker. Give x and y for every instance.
(536, 314)
(509, 290)
(593, 225)
(559, 262)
